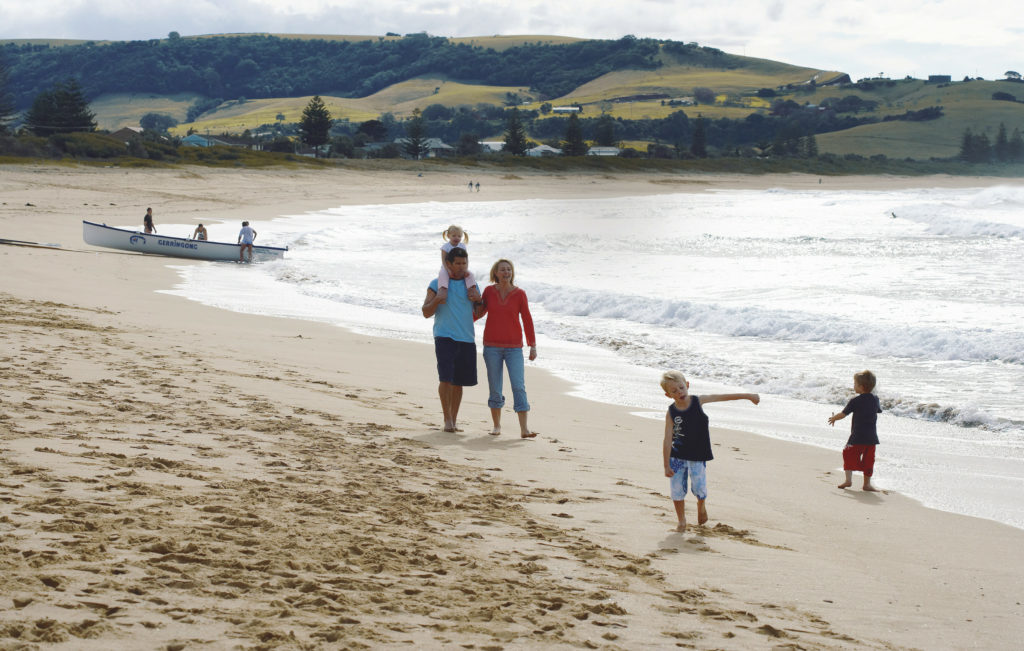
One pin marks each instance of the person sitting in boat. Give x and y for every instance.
(246, 237)
(147, 221)
(200, 233)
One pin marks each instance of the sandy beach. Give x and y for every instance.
(173, 476)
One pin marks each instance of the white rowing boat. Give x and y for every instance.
(178, 247)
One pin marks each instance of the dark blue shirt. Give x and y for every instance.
(865, 408)
(691, 438)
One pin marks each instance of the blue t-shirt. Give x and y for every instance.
(865, 408)
(454, 319)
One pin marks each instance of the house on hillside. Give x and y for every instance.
(196, 140)
(435, 147)
(603, 151)
(567, 109)
(127, 134)
(544, 150)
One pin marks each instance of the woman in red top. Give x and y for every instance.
(505, 304)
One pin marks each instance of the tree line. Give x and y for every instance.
(979, 148)
(261, 66)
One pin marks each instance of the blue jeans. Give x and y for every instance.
(513, 359)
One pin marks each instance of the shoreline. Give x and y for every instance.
(275, 391)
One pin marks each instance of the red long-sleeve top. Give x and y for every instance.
(502, 329)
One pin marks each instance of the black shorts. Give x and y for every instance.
(456, 361)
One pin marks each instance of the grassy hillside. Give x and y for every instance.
(118, 110)
(966, 105)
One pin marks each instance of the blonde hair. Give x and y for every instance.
(453, 229)
(865, 380)
(494, 271)
(672, 377)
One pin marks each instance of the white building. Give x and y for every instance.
(603, 151)
(544, 150)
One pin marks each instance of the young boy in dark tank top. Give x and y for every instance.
(687, 446)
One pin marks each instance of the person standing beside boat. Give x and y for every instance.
(147, 221)
(199, 233)
(246, 237)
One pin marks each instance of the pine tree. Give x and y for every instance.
(515, 134)
(1015, 148)
(699, 143)
(604, 136)
(574, 145)
(416, 137)
(810, 146)
(315, 125)
(1002, 146)
(7, 110)
(62, 109)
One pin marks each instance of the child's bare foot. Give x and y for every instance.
(702, 513)
(442, 293)
(846, 484)
(473, 294)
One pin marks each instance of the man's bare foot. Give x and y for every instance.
(702, 513)
(868, 487)
(681, 527)
(846, 484)
(496, 431)
(528, 435)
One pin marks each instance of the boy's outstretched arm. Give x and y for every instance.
(667, 446)
(722, 397)
(834, 417)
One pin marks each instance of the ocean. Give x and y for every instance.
(784, 293)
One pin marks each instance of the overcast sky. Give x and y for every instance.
(979, 38)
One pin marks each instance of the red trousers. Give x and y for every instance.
(859, 457)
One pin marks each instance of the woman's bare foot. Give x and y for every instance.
(846, 484)
(528, 435)
(702, 513)
(868, 487)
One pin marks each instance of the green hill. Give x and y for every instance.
(248, 81)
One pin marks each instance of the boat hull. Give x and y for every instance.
(175, 247)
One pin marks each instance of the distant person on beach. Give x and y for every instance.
(470, 186)
(455, 238)
(246, 237)
(147, 221)
(478, 186)
(505, 305)
(859, 453)
(687, 446)
(199, 233)
(454, 337)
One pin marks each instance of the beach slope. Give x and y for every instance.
(174, 476)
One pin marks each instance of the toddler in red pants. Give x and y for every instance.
(859, 453)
